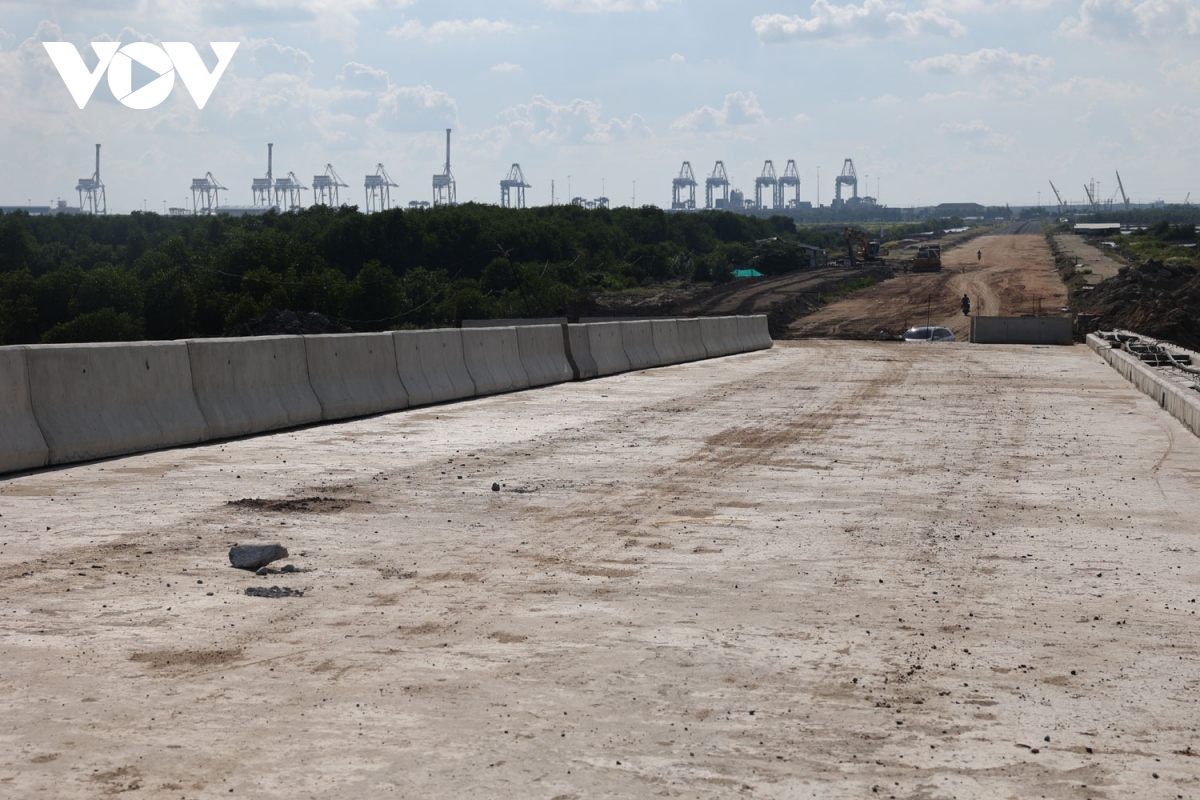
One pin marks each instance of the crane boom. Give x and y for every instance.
(1121, 186)
(1061, 204)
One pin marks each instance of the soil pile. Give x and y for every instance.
(1153, 299)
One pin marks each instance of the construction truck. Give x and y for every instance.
(928, 258)
(860, 249)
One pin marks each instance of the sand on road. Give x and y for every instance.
(831, 569)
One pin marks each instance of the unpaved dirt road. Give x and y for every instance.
(1015, 276)
(832, 569)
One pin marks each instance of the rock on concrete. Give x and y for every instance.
(253, 556)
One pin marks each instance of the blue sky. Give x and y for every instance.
(935, 100)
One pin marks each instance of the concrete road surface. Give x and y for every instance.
(830, 569)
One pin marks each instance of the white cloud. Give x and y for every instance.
(1078, 85)
(445, 29)
(987, 61)
(978, 135)
(874, 19)
(602, 6)
(990, 6)
(739, 110)
(676, 58)
(887, 100)
(1177, 73)
(1148, 21)
(507, 67)
(543, 122)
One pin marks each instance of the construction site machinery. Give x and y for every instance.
(928, 258)
(861, 249)
(683, 189)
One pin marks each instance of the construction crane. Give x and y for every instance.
(789, 179)
(768, 178)
(325, 187)
(378, 188)
(92, 199)
(719, 180)
(1061, 205)
(515, 180)
(1121, 188)
(205, 194)
(1091, 195)
(849, 177)
(287, 192)
(686, 182)
(444, 187)
(263, 189)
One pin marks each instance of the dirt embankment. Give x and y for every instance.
(1007, 273)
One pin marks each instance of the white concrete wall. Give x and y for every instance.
(412, 369)
(666, 341)
(63, 403)
(1021, 330)
(493, 359)
(354, 374)
(637, 340)
(580, 352)
(691, 339)
(543, 354)
(97, 400)
(1180, 402)
(604, 340)
(252, 384)
(22, 445)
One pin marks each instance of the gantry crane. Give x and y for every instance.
(325, 187)
(378, 188)
(515, 180)
(684, 183)
(767, 179)
(719, 180)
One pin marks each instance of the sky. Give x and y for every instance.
(934, 100)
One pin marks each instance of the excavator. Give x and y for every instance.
(861, 249)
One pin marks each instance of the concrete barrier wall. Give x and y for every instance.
(710, 333)
(63, 403)
(753, 333)
(416, 378)
(666, 341)
(493, 358)
(691, 340)
(252, 384)
(1021, 330)
(637, 339)
(431, 366)
(22, 445)
(1180, 402)
(354, 374)
(97, 400)
(579, 351)
(544, 354)
(604, 341)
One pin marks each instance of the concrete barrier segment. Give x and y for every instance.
(666, 341)
(412, 372)
(637, 338)
(731, 335)
(252, 384)
(22, 445)
(1180, 402)
(604, 339)
(691, 339)
(451, 343)
(543, 354)
(354, 374)
(753, 333)
(579, 352)
(99, 400)
(493, 359)
(710, 333)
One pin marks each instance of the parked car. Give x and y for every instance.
(929, 333)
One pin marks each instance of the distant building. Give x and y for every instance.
(959, 209)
